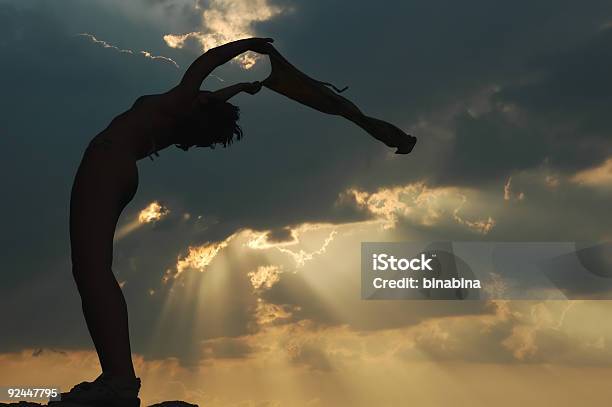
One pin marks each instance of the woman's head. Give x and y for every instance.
(209, 122)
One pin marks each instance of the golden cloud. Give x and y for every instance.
(261, 241)
(598, 177)
(153, 212)
(264, 276)
(419, 203)
(482, 226)
(536, 348)
(225, 21)
(199, 257)
(267, 313)
(302, 256)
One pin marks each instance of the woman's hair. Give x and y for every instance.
(209, 123)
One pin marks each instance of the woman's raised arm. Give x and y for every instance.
(207, 62)
(226, 93)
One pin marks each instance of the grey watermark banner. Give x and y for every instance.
(486, 270)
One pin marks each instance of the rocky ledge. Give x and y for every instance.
(164, 404)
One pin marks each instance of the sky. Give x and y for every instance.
(240, 266)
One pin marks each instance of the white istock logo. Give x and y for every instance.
(382, 262)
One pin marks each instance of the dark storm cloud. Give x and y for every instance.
(572, 98)
(568, 213)
(279, 235)
(565, 109)
(425, 58)
(412, 60)
(489, 148)
(58, 91)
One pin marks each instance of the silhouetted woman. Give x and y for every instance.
(106, 182)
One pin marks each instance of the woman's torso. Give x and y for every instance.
(137, 131)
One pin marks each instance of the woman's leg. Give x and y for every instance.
(104, 184)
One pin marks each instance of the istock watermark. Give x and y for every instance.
(386, 262)
(486, 270)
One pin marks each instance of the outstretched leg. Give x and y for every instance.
(105, 183)
(291, 82)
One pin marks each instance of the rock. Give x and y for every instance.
(21, 404)
(175, 403)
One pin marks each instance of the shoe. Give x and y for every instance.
(105, 391)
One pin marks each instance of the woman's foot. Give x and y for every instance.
(105, 391)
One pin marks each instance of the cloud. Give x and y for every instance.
(508, 190)
(516, 333)
(105, 44)
(508, 195)
(268, 239)
(597, 177)
(40, 351)
(145, 54)
(482, 226)
(199, 257)
(301, 366)
(563, 100)
(309, 355)
(267, 313)
(153, 213)
(226, 348)
(283, 238)
(419, 203)
(553, 207)
(264, 276)
(225, 21)
(545, 334)
(552, 181)
(301, 257)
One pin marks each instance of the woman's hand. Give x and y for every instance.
(260, 45)
(185, 92)
(226, 93)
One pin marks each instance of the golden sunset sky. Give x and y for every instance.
(241, 266)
